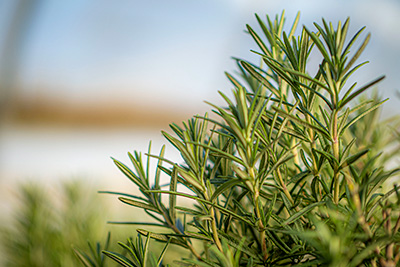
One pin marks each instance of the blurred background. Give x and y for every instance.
(81, 81)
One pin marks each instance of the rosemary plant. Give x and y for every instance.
(290, 172)
(47, 220)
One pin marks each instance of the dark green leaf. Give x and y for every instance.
(343, 102)
(302, 212)
(172, 198)
(351, 159)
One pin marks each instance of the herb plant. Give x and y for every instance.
(289, 172)
(47, 220)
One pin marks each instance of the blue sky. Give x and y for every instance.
(174, 52)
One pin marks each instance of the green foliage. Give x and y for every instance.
(47, 221)
(290, 172)
(138, 253)
(96, 258)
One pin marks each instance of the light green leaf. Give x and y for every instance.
(343, 102)
(138, 223)
(295, 119)
(138, 204)
(381, 200)
(159, 165)
(320, 46)
(222, 153)
(222, 209)
(294, 26)
(192, 180)
(258, 40)
(361, 115)
(163, 237)
(359, 51)
(260, 78)
(128, 173)
(235, 82)
(121, 259)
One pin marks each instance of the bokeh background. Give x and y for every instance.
(84, 80)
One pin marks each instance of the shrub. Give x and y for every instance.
(289, 172)
(46, 223)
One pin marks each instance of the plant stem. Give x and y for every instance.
(285, 190)
(256, 203)
(335, 147)
(336, 187)
(214, 230)
(296, 157)
(177, 231)
(191, 248)
(263, 241)
(312, 146)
